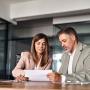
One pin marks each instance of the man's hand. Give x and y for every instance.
(54, 77)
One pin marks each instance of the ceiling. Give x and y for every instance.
(16, 1)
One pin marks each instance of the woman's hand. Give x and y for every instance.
(21, 78)
(54, 77)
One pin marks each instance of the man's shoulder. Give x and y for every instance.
(86, 48)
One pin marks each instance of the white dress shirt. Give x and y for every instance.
(38, 65)
(71, 62)
(69, 66)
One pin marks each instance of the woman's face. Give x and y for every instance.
(40, 46)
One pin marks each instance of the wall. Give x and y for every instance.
(31, 28)
(4, 10)
(34, 9)
(48, 8)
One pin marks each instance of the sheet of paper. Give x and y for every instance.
(37, 75)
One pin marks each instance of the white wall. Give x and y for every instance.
(41, 8)
(4, 10)
(46, 8)
(72, 19)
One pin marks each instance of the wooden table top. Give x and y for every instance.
(12, 85)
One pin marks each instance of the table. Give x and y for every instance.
(12, 85)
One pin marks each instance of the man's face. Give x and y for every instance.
(67, 42)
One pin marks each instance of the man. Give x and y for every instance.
(75, 60)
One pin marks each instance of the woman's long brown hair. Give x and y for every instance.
(45, 56)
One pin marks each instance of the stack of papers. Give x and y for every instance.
(37, 75)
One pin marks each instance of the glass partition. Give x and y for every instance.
(83, 30)
(3, 48)
(17, 38)
(20, 38)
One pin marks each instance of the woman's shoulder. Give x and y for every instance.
(25, 56)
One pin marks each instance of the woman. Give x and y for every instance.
(38, 58)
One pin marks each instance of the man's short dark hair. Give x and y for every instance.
(69, 31)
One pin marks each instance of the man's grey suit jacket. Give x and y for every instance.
(81, 64)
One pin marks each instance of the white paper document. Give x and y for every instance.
(37, 75)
